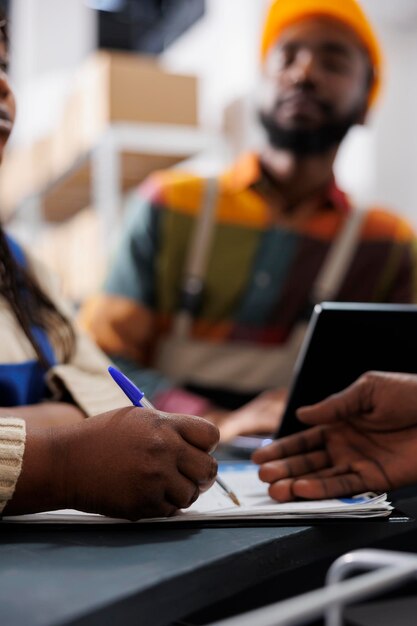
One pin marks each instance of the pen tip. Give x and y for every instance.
(234, 499)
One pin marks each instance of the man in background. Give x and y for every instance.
(207, 299)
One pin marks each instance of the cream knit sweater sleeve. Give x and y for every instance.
(12, 446)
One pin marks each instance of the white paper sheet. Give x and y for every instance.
(243, 479)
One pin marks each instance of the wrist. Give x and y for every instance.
(72, 458)
(40, 485)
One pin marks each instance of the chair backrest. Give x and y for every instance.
(388, 570)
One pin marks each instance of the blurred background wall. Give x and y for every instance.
(217, 42)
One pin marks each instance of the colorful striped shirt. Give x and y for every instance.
(260, 274)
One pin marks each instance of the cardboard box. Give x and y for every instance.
(109, 87)
(73, 192)
(140, 90)
(116, 87)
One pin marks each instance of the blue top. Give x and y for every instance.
(24, 383)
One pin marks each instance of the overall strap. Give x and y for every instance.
(197, 260)
(338, 259)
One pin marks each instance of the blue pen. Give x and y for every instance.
(135, 395)
(137, 398)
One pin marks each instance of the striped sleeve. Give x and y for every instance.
(12, 446)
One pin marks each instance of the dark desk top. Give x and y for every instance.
(151, 576)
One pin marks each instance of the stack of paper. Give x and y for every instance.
(243, 479)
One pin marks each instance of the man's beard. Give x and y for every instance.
(307, 141)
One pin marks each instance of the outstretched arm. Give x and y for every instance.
(364, 438)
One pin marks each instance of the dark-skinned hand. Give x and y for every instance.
(362, 439)
(130, 463)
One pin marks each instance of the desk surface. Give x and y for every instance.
(151, 576)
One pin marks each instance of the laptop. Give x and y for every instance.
(343, 341)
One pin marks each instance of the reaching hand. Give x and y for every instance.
(365, 438)
(261, 415)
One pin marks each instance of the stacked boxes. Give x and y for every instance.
(110, 87)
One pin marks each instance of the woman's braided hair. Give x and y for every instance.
(31, 306)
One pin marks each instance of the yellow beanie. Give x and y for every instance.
(283, 13)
